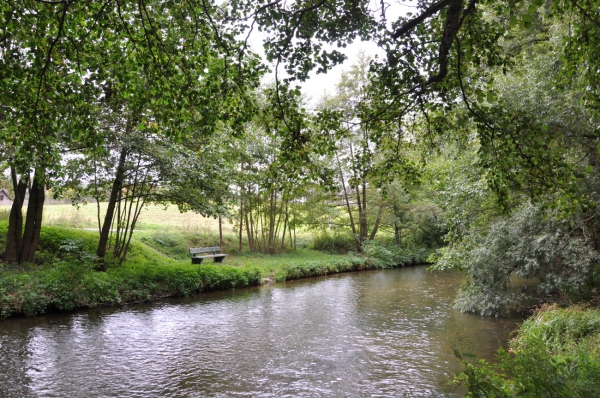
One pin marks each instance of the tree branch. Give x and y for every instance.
(407, 27)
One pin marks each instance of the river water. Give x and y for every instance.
(368, 334)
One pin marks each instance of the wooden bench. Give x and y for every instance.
(215, 253)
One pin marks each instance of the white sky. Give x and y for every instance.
(318, 85)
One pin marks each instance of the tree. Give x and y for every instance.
(444, 54)
(363, 152)
(276, 166)
(153, 63)
(544, 171)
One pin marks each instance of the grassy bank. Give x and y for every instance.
(158, 265)
(555, 354)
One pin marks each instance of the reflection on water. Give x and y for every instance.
(385, 333)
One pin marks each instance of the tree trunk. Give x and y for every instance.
(285, 224)
(241, 227)
(249, 233)
(110, 211)
(397, 226)
(397, 233)
(33, 221)
(352, 225)
(377, 222)
(220, 232)
(14, 236)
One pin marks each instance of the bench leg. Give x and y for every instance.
(219, 259)
(196, 260)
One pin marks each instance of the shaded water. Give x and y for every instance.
(383, 333)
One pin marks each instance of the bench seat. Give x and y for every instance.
(198, 254)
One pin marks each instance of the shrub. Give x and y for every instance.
(337, 242)
(379, 256)
(529, 243)
(556, 354)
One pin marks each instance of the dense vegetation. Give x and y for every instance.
(556, 354)
(63, 277)
(475, 135)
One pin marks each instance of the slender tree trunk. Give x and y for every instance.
(14, 236)
(377, 221)
(33, 221)
(250, 224)
(291, 240)
(120, 207)
(294, 232)
(138, 210)
(262, 215)
(241, 227)
(110, 211)
(280, 217)
(249, 233)
(96, 194)
(241, 230)
(272, 211)
(362, 233)
(220, 232)
(352, 225)
(285, 224)
(397, 227)
(364, 220)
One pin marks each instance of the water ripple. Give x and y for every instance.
(370, 334)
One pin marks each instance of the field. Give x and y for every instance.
(153, 217)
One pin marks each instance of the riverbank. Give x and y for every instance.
(63, 278)
(556, 353)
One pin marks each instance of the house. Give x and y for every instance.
(5, 199)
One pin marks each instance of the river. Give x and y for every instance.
(367, 334)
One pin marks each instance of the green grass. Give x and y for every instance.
(152, 217)
(158, 263)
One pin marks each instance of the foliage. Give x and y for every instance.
(63, 277)
(274, 170)
(530, 243)
(336, 242)
(75, 75)
(555, 354)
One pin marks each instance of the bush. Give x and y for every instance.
(556, 354)
(379, 256)
(339, 242)
(529, 243)
(390, 257)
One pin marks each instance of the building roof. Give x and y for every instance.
(5, 193)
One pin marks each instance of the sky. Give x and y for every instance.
(319, 85)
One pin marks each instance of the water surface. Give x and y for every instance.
(368, 334)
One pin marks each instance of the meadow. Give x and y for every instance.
(158, 264)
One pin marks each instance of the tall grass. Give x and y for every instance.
(4, 213)
(555, 354)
